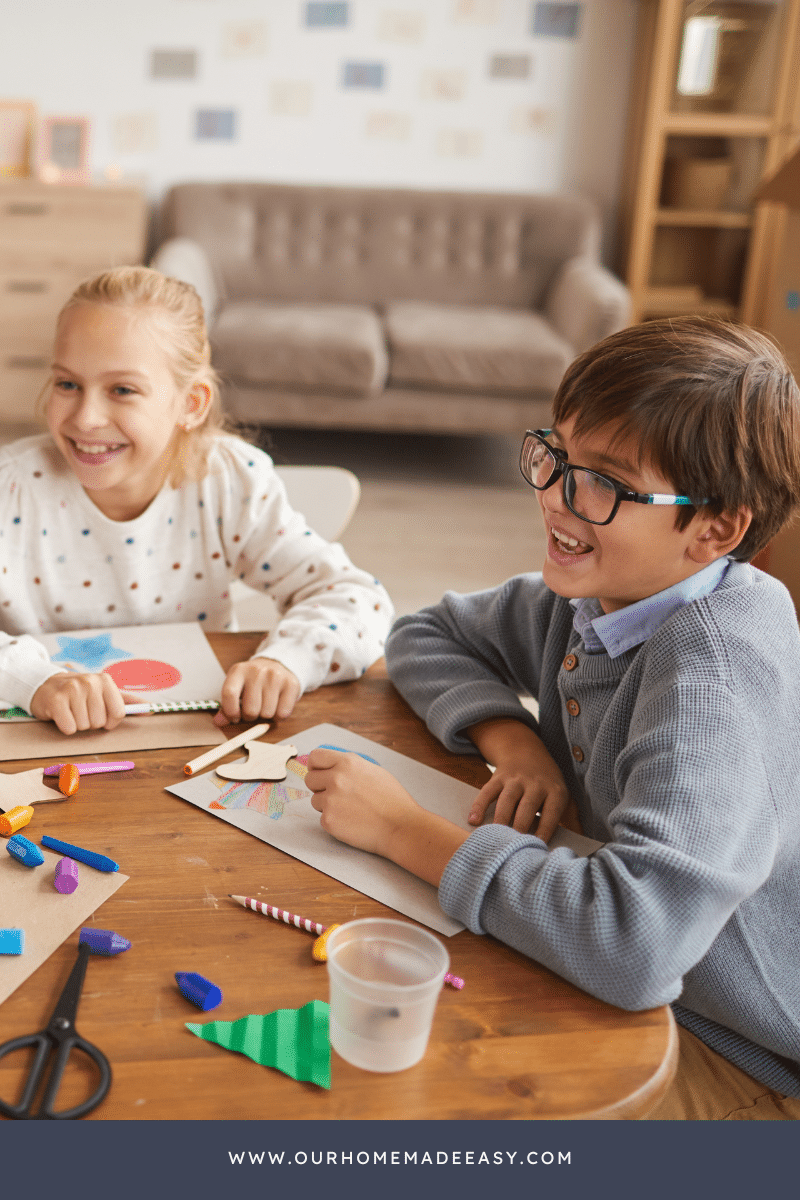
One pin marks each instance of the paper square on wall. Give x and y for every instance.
(477, 12)
(320, 15)
(556, 20)
(541, 121)
(217, 125)
(393, 126)
(173, 64)
(290, 97)
(134, 133)
(244, 39)
(443, 85)
(396, 25)
(459, 143)
(363, 75)
(510, 66)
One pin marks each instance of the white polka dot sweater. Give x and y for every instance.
(65, 565)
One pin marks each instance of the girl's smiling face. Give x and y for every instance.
(640, 552)
(114, 408)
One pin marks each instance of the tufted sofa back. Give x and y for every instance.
(361, 245)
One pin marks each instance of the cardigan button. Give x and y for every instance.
(570, 662)
(577, 753)
(573, 708)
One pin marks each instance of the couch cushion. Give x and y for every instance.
(328, 348)
(477, 349)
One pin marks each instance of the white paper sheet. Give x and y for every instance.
(281, 814)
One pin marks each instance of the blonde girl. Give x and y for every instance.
(137, 507)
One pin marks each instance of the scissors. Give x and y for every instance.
(62, 1037)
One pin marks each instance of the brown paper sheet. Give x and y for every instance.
(29, 901)
(42, 739)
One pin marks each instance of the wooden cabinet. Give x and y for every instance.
(715, 106)
(50, 239)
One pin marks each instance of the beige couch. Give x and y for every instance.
(383, 309)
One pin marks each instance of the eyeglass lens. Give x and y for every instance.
(588, 495)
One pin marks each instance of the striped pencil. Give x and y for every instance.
(281, 914)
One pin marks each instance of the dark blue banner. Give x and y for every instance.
(240, 1160)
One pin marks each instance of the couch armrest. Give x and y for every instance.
(587, 303)
(183, 258)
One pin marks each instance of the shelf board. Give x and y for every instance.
(718, 124)
(683, 301)
(721, 218)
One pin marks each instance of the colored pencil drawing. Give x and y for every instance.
(263, 797)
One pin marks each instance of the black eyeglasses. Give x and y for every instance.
(587, 494)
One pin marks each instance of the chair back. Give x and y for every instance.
(326, 496)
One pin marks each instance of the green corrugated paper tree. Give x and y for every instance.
(293, 1040)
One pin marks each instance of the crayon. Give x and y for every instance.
(98, 861)
(93, 768)
(68, 779)
(15, 819)
(24, 851)
(12, 941)
(66, 878)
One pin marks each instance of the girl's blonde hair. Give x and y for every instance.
(184, 340)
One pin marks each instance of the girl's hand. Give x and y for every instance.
(79, 702)
(526, 780)
(360, 802)
(261, 687)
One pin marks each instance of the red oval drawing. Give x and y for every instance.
(143, 675)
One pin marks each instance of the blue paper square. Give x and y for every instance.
(793, 300)
(363, 75)
(556, 20)
(215, 125)
(330, 15)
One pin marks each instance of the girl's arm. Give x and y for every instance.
(332, 618)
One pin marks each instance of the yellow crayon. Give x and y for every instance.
(14, 819)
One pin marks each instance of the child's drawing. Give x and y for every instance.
(90, 653)
(263, 797)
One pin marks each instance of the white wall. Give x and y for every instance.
(440, 120)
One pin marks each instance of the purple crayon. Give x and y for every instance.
(66, 876)
(103, 941)
(200, 991)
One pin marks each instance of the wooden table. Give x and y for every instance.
(518, 1043)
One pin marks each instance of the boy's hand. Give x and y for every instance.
(526, 780)
(79, 702)
(361, 803)
(261, 687)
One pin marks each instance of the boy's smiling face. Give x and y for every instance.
(640, 552)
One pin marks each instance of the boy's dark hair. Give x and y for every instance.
(714, 406)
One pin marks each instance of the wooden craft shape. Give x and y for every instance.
(267, 760)
(25, 787)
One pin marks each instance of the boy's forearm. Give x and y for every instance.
(424, 845)
(499, 737)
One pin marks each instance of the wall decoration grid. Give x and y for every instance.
(497, 95)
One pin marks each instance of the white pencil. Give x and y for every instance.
(205, 760)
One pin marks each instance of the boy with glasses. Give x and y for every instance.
(667, 671)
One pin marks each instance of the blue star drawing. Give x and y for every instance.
(92, 652)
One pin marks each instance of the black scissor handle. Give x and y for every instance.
(21, 1111)
(44, 1044)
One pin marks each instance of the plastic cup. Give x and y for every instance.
(385, 978)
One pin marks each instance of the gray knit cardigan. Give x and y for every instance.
(684, 759)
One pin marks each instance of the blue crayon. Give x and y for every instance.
(200, 991)
(12, 941)
(98, 861)
(24, 851)
(103, 941)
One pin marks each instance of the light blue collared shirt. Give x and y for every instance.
(619, 631)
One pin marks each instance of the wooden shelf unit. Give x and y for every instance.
(721, 255)
(52, 237)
